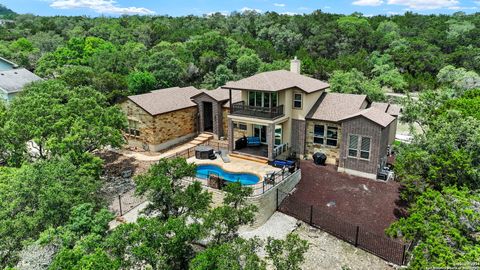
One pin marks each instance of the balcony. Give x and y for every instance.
(240, 108)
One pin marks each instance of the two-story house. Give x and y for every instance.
(284, 111)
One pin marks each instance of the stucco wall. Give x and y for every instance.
(160, 129)
(332, 152)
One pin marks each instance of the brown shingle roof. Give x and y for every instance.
(391, 109)
(277, 81)
(374, 114)
(166, 100)
(335, 106)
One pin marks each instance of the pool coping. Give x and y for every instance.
(261, 178)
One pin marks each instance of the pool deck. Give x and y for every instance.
(238, 165)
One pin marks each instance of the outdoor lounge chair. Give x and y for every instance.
(253, 141)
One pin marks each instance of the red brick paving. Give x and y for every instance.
(373, 209)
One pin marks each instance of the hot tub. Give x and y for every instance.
(204, 152)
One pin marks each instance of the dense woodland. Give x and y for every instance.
(403, 52)
(51, 212)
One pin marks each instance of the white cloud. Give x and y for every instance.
(289, 13)
(424, 4)
(246, 9)
(327, 7)
(99, 6)
(279, 5)
(461, 8)
(368, 2)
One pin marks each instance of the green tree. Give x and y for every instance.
(141, 82)
(446, 154)
(154, 242)
(248, 65)
(39, 196)
(445, 223)
(168, 70)
(163, 186)
(287, 254)
(221, 76)
(59, 120)
(459, 78)
(238, 254)
(355, 82)
(223, 222)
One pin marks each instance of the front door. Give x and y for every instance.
(208, 116)
(260, 132)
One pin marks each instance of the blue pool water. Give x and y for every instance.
(245, 178)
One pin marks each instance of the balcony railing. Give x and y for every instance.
(240, 108)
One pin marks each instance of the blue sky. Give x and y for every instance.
(200, 7)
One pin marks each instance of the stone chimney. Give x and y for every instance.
(295, 65)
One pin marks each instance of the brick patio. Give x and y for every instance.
(373, 205)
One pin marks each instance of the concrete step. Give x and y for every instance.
(258, 159)
(205, 135)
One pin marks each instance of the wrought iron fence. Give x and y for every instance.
(386, 248)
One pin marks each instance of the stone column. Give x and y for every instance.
(201, 123)
(231, 139)
(270, 140)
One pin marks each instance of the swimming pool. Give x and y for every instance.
(245, 178)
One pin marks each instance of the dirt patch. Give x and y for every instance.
(118, 174)
(373, 205)
(328, 252)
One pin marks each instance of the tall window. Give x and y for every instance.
(332, 136)
(262, 99)
(353, 146)
(365, 148)
(133, 128)
(359, 147)
(319, 134)
(297, 100)
(329, 138)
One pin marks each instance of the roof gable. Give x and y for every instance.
(373, 114)
(278, 80)
(166, 100)
(333, 107)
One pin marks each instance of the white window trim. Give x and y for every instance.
(348, 146)
(369, 148)
(359, 147)
(301, 101)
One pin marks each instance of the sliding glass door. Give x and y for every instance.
(260, 132)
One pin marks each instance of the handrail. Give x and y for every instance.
(239, 108)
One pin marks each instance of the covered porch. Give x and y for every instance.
(254, 138)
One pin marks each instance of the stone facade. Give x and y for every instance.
(332, 152)
(225, 113)
(217, 114)
(157, 131)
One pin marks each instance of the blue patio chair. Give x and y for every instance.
(253, 141)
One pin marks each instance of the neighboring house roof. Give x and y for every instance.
(277, 81)
(391, 109)
(166, 100)
(375, 115)
(333, 107)
(12, 81)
